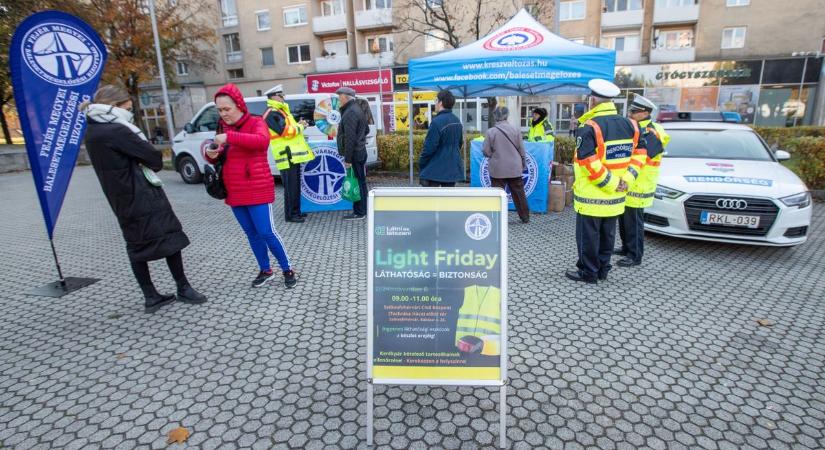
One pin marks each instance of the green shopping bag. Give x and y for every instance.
(350, 191)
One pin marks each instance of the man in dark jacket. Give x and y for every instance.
(440, 161)
(352, 145)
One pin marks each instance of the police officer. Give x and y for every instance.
(289, 149)
(640, 193)
(540, 129)
(604, 146)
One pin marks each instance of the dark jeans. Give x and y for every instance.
(291, 179)
(595, 237)
(632, 232)
(144, 278)
(359, 208)
(431, 183)
(517, 192)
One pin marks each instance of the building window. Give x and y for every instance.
(384, 43)
(738, 2)
(577, 40)
(332, 7)
(267, 57)
(673, 39)
(675, 3)
(298, 54)
(733, 37)
(232, 43)
(434, 41)
(295, 15)
(572, 10)
(336, 48)
(622, 5)
(182, 68)
(385, 4)
(229, 13)
(234, 73)
(262, 19)
(622, 43)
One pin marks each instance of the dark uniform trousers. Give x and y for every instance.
(632, 232)
(291, 179)
(595, 237)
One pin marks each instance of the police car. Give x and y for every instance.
(721, 182)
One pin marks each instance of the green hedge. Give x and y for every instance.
(809, 155)
(782, 137)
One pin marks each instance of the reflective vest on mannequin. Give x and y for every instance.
(640, 194)
(286, 136)
(606, 143)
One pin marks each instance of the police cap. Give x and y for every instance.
(277, 89)
(640, 103)
(603, 88)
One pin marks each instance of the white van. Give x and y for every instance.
(319, 110)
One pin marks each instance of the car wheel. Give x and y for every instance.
(189, 171)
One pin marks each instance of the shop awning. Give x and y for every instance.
(520, 58)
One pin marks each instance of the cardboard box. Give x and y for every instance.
(556, 196)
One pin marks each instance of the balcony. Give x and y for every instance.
(623, 19)
(628, 57)
(332, 63)
(667, 55)
(368, 60)
(373, 18)
(676, 14)
(322, 25)
(229, 20)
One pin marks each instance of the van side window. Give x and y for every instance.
(303, 110)
(208, 120)
(256, 108)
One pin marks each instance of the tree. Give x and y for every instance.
(12, 12)
(125, 27)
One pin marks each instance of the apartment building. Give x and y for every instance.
(760, 58)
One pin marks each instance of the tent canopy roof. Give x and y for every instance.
(522, 57)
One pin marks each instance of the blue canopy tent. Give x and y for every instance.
(522, 57)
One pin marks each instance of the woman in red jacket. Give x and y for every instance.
(243, 139)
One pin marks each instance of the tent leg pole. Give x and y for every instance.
(410, 127)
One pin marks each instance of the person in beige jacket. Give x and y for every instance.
(505, 149)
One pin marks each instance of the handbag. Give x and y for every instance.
(350, 191)
(213, 178)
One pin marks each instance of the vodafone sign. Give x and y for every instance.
(364, 82)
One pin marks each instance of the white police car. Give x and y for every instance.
(720, 182)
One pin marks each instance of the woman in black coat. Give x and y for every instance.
(125, 162)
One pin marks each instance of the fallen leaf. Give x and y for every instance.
(120, 355)
(764, 322)
(178, 435)
(114, 316)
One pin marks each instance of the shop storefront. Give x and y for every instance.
(769, 92)
(366, 83)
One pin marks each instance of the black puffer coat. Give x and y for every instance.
(150, 227)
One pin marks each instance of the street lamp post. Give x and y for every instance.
(167, 109)
(376, 50)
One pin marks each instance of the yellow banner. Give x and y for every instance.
(418, 96)
(402, 116)
(438, 204)
(436, 373)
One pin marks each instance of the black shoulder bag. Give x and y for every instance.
(213, 177)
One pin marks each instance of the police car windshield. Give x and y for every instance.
(717, 144)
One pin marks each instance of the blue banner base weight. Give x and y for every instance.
(58, 289)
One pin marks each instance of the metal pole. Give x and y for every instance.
(170, 127)
(502, 417)
(410, 126)
(57, 264)
(369, 413)
(380, 93)
(553, 104)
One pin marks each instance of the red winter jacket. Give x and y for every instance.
(246, 170)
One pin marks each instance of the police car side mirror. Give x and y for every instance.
(189, 128)
(782, 155)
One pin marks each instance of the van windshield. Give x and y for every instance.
(301, 109)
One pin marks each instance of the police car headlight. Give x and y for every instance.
(802, 200)
(666, 192)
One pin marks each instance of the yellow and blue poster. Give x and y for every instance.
(437, 286)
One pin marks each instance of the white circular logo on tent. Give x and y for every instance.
(61, 54)
(512, 39)
(478, 226)
(529, 176)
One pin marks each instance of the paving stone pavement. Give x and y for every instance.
(668, 355)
